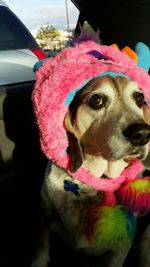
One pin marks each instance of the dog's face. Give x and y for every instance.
(109, 118)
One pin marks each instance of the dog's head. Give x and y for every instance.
(108, 120)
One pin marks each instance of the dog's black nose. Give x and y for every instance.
(138, 134)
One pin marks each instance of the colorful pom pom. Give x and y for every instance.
(130, 53)
(135, 195)
(111, 226)
(143, 53)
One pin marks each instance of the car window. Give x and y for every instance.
(13, 34)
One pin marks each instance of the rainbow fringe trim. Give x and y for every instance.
(135, 195)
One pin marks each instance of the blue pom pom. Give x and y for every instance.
(143, 53)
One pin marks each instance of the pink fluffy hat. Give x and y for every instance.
(58, 80)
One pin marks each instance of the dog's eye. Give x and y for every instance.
(139, 99)
(96, 101)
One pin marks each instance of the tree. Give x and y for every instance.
(48, 36)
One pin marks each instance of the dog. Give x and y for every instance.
(107, 125)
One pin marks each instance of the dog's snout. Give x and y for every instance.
(138, 134)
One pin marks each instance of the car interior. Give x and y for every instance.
(22, 167)
(120, 22)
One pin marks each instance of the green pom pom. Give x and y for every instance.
(113, 226)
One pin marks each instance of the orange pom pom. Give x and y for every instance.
(115, 46)
(130, 53)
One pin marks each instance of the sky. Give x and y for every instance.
(36, 13)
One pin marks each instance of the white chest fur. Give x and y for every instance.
(71, 206)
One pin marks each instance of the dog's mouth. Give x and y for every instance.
(114, 161)
(113, 166)
(116, 167)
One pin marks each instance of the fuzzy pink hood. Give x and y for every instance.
(58, 80)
